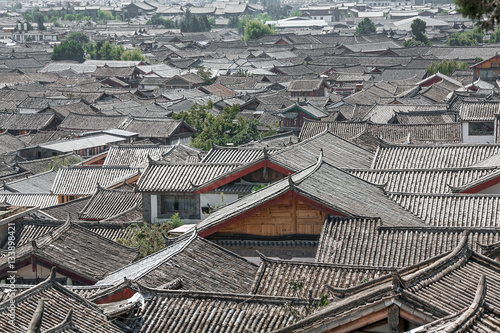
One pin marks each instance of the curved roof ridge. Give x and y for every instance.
(471, 311)
(444, 265)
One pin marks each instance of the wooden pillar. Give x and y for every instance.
(393, 318)
(294, 216)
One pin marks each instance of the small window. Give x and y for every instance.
(183, 203)
(482, 128)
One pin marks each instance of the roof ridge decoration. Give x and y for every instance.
(36, 321)
(419, 278)
(443, 266)
(314, 168)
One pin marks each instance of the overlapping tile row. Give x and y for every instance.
(295, 279)
(81, 248)
(422, 181)
(180, 177)
(84, 180)
(450, 210)
(432, 157)
(135, 155)
(234, 155)
(59, 301)
(106, 203)
(366, 242)
(391, 133)
(212, 312)
(41, 200)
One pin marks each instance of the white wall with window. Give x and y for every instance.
(214, 200)
(478, 132)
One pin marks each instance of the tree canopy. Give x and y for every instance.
(418, 31)
(158, 20)
(486, 12)
(366, 27)
(255, 29)
(79, 37)
(466, 38)
(132, 55)
(68, 50)
(446, 67)
(193, 23)
(150, 238)
(222, 129)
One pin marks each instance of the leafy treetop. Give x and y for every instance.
(366, 27)
(220, 129)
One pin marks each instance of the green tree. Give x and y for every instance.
(495, 37)
(150, 238)
(296, 13)
(17, 6)
(413, 43)
(256, 29)
(418, 31)
(39, 19)
(110, 51)
(56, 162)
(158, 20)
(68, 50)
(78, 37)
(104, 15)
(366, 27)
(418, 26)
(222, 129)
(275, 9)
(466, 38)
(133, 55)
(447, 67)
(486, 12)
(233, 22)
(205, 73)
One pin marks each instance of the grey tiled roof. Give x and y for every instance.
(83, 180)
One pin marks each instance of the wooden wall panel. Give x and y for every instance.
(285, 218)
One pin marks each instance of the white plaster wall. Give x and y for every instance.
(495, 189)
(41, 272)
(466, 138)
(214, 199)
(154, 207)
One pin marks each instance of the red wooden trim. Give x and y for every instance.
(120, 295)
(73, 276)
(241, 173)
(288, 195)
(483, 186)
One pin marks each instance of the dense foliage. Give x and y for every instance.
(486, 12)
(79, 37)
(466, 38)
(100, 16)
(158, 20)
(255, 29)
(68, 50)
(366, 27)
(133, 55)
(193, 23)
(150, 238)
(446, 66)
(222, 129)
(418, 31)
